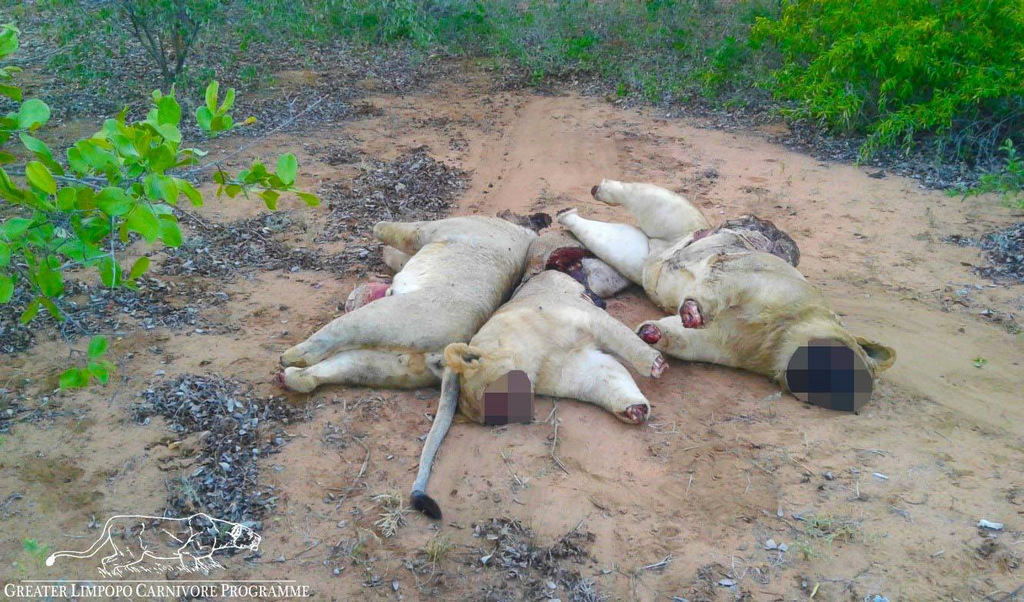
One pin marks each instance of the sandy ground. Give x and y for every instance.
(885, 502)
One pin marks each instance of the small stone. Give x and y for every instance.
(987, 524)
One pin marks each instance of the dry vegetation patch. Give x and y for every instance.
(236, 430)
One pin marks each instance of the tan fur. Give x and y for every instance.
(757, 308)
(568, 348)
(554, 333)
(459, 272)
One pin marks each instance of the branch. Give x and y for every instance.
(259, 138)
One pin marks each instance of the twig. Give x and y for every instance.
(554, 443)
(664, 562)
(282, 560)
(809, 471)
(260, 138)
(508, 464)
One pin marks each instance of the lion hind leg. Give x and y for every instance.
(623, 247)
(659, 212)
(382, 324)
(366, 368)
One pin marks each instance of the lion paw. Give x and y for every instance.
(636, 413)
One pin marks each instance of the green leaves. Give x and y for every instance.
(6, 288)
(110, 272)
(96, 367)
(101, 370)
(74, 378)
(161, 188)
(170, 233)
(113, 201)
(190, 192)
(168, 110)
(40, 177)
(143, 220)
(8, 40)
(139, 267)
(42, 152)
(310, 200)
(268, 185)
(97, 346)
(14, 226)
(32, 115)
(948, 68)
(214, 119)
(123, 179)
(287, 168)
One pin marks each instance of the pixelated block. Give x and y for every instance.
(509, 399)
(828, 374)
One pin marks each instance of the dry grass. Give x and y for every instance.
(831, 528)
(438, 549)
(392, 504)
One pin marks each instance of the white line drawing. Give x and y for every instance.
(142, 544)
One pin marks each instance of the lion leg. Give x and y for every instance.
(395, 259)
(410, 237)
(669, 336)
(372, 325)
(615, 337)
(407, 237)
(659, 212)
(595, 377)
(365, 368)
(623, 247)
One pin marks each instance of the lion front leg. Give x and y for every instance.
(592, 376)
(669, 336)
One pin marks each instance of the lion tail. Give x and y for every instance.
(446, 407)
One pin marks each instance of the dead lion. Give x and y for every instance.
(453, 274)
(736, 296)
(567, 346)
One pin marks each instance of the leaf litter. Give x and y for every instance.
(236, 430)
(532, 572)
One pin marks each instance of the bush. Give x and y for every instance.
(167, 29)
(898, 69)
(120, 184)
(1007, 182)
(662, 50)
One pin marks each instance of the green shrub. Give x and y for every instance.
(167, 29)
(1007, 182)
(120, 184)
(897, 69)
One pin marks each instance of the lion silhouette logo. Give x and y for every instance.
(141, 544)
